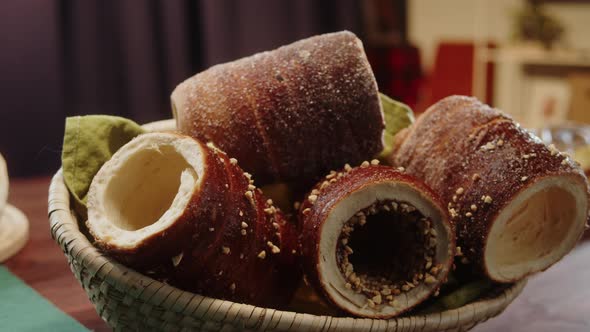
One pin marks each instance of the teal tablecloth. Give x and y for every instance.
(23, 309)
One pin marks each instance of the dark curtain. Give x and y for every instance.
(233, 29)
(69, 57)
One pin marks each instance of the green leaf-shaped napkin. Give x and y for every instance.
(459, 295)
(397, 117)
(89, 141)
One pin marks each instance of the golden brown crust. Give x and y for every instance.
(214, 247)
(462, 145)
(339, 185)
(154, 252)
(289, 114)
(242, 267)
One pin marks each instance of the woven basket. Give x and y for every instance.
(128, 300)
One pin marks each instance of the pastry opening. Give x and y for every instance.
(146, 186)
(538, 228)
(387, 249)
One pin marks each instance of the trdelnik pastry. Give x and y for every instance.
(519, 205)
(375, 241)
(183, 211)
(291, 114)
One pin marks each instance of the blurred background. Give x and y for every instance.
(63, 57)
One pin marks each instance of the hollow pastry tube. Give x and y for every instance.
(375, 242)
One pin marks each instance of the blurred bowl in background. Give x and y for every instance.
(571, 138)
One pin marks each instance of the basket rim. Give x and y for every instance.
(65, 231)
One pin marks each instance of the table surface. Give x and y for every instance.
(556, 300)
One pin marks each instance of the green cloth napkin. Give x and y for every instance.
(397, 116)
(89, 141)
(23, 309)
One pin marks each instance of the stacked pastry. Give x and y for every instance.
(375, 240)
(14, 226)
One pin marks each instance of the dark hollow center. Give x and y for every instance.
(389, 245)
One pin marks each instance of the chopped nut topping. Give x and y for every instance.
(487, 200)
(270, 210)
(429, 279)
(524, 178)
(306, 211)
(473, 207)
(243, 232)
(488, 146)
(176, 259)
(347, 167)
(564, 161)
(296, 205)
(324, 185)
(312, 198)
(248, 175)
(211, 229)
(435, 269)
(500, 143)
(375, 162)
(377, 299)
(269, 201)
(475, 177)
(241, 213)
(401, 169)
(275, 250)
(275, 225)
(331, 175)
(553, 149)
(248, 194)
(251, 187)
(244, 225)
(233, 161)
(453, 213)
(262, 254)
(365, 164)
(459, 191)
(225, 250)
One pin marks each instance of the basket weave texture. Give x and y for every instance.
(129, 301)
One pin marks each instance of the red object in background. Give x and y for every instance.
(398, 71)
(452, 74)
